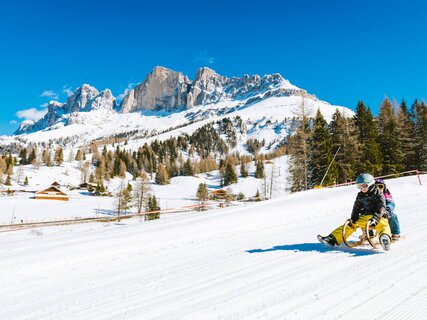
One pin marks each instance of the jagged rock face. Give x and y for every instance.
(85, 98)
(81, 99)
(207, 87)
(163, 89)
(54, 111)
(103, 101)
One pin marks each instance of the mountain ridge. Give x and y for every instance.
(163, 89)
(168, 102)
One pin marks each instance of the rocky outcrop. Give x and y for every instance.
(207, 87)
(84, 99)
(163, 89)
(87, 98)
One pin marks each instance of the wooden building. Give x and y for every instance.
(52, 193)
(218, 194)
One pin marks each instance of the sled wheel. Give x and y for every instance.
(353, 240)
(372, 236)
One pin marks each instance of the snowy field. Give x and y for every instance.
(258, 261)
(22, 207)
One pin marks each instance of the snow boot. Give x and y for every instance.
(395, 237)
(385, 242)
(330, 240)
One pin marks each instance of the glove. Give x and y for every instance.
(374, 221)
(387, 214)
(351, 223)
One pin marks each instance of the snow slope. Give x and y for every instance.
(22, 207)
(260, 261)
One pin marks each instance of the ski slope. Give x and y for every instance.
(259, 261)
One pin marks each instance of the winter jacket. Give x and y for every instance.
(371, 202)
(389, 202)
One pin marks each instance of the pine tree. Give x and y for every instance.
(229, 175)
(100, 189)
(420, 118)
(406, 137)
(127, 197)
(23, 156)
(47, 157)
(123, 199)
(243, 170)
(371, 160)
(152, 206)
(8, 181)
(259, 169)
(298, 147)
(320, 154)
(188, 169)
(122, 169)
(345, 146)
(388, 137)
(162, 176)
(26, 181)
(202, 193)
(79, 156)
(32, 157)
(298, 157)
(59, 156)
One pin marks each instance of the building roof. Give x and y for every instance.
(52, 190)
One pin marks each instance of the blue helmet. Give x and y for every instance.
(364, 180)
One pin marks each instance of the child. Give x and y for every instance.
(369, 207)
(390, 205)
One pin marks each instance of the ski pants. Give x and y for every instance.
(393, 220)
(381, 227)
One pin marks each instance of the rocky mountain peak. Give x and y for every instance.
(170, 90)
(84, 99)
(163, 89)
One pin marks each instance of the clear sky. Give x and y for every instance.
(341, 50)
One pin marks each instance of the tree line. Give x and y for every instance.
(327, 154)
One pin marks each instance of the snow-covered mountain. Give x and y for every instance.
(84, 99)
(167, 100)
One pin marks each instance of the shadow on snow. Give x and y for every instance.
(318, 247)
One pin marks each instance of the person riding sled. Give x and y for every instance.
(393, 221)
(369, 207)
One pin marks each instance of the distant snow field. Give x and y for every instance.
(255, 261)
(22, 207)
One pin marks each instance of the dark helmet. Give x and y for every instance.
(380, 184)
(364, 180)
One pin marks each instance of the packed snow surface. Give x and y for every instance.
(256, 261)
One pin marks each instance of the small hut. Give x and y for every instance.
(52, 193)
(56, 184)
(85, 186)
(218, 194)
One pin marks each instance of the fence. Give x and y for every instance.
(29, 225)
(386, 176)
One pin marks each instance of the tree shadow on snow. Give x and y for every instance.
(106, 212)
(318, 247)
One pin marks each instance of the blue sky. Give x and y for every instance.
(342, 51)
